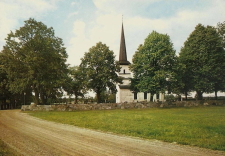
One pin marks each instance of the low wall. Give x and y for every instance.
(107, 106)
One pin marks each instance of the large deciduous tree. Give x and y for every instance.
(100, 68)
(204, 60)
(75, 85)
(221, 30)
(33, 57)
(153, 64)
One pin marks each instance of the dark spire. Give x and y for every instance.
(123, 52)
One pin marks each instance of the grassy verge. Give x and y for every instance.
(202, 126)
(5, 150)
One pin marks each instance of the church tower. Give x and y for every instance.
(124, 94)
(123, 90)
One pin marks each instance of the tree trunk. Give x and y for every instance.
(151, 98)
(186, 94)
(76, 97)
(43, 97)
(216, 94)
(98, 96)
(199, 95)
(13, 102)
(36, 96)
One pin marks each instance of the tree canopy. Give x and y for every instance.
(204, 60)
(75, 85)
(100, 68)
(33, 57)
(152, 64)
(221, 30)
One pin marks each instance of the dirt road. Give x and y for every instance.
(32, 136)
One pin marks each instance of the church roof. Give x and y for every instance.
(123, 52)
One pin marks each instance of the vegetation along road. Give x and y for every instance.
(32, 136)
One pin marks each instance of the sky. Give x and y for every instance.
(83, 23)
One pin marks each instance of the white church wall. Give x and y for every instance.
(140, 96)
(148, 96)
(126, 95)
(126, 81)
(124, 69)
(118, 94)
(161, 97)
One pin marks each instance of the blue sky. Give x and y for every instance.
(83, 23)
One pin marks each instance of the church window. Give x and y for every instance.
(124, 71)
(145, 95)
(135, 96)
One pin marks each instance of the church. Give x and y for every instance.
(124, 94)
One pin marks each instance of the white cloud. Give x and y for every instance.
(73, 3)
(105, 23)
(122, 7)
(72, 14)
(106, 29)
(14, 11)
(78, 43)
(79, 29)
(107, 26)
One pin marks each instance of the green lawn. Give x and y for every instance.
(201, 126)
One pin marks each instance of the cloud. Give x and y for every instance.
(127, 7)
(73, 3)
(72, 14)
(101, 21)
(78, 43)
(12, 12)
(106, 27)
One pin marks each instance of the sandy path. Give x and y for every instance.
(32, 136)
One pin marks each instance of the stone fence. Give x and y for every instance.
(108, 106)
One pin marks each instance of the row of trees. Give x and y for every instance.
(199, 67)
(97, 72)
(33, 62)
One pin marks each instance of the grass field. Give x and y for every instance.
(200, 126)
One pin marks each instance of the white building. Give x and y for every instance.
(123, 90)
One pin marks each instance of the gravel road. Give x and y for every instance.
(31, 136)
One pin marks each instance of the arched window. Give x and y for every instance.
(124, 71)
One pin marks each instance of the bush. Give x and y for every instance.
(171, 98)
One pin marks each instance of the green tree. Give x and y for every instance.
(204, 60)
(107, 97)
(221, 30)
(33, 57)
(183, 74)
(75, 85)
(100, 68)
(3, 91)
(153, 64)
(7, 97)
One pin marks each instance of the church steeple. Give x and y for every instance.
(123, 52)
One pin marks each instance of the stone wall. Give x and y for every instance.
(107, 106)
